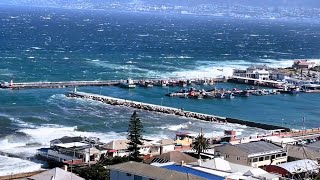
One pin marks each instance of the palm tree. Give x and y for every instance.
(200, 144)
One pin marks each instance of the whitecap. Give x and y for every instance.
(10, 166)
(143, 35)
(37, 48)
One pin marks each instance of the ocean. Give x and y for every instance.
(47, 44)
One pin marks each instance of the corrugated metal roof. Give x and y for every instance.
(152, 172)
(299, 166)
(258, 147)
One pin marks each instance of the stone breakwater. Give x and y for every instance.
(168, 110)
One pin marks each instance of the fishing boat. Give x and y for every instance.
(229, 95)
(220, 95)
(209, 96)
(290, 90)
(145, 84)
(128, 84)
(242, 94)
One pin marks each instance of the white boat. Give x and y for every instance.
(128, 84)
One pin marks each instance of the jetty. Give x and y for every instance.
(170, 110)
(66, 84)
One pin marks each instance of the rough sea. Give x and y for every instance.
(43, 44)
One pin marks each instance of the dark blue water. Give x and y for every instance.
(42, 44)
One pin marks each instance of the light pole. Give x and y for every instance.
(161, 101)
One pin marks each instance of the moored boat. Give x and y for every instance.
(128, 84)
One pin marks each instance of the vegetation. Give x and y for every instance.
(200, 144)
(98, 171)
(95, 172)
(135, 130)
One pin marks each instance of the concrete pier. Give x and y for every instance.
(170, 110)
(65, 84)
(255, 82)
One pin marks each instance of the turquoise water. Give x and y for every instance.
(42, 44)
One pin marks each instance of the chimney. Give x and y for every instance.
(199, 162)
(182, 163)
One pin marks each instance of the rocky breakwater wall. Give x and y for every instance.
(167, 110)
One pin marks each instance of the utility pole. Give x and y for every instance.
(89, 152)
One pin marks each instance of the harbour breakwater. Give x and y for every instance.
(65, 84)
(170, 110)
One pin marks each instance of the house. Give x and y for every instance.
(67, 149)
(166, 145)
(120, 147)
(134, 170)
(303, 64)
(55, 174)
(117, 148)
(295, 169)
(173, 156)
(185, 138)
(255, 154)
(298, 152)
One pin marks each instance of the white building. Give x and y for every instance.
(72, 148)
(120, 147)
(254, 72)
(255, 154)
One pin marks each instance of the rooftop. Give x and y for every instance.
(68, 139)
(71, 145)
(117, 144)
(56, 174)
(303, 165)
(152, 172)
(189, 170)
(258, 147)
(173, 156)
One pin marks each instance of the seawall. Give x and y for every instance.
(170, 110)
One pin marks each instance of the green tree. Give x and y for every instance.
(200, 144)
(135, 130)
(95, 172)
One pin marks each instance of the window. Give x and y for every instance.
(273, 156)
(227, 155)
(284, 154)
(128, 174)
(238, 158)
(255, 160)
(267, 158)
(278, 155)
(260, 158)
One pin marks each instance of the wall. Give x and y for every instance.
(232, 154)
(268, 162)
(168, 148)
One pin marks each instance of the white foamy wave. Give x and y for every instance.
(201, 72)
(9, 165)
(41, 137)
(20, 123)
(212, 69)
